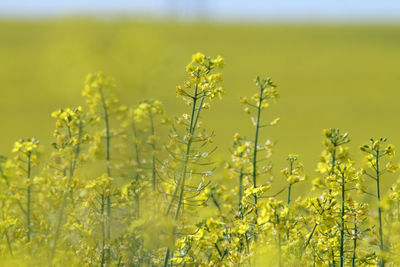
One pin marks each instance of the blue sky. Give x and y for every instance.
(259, 10)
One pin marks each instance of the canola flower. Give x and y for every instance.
(172, 206)
(70, 136)
(203, 85)
(27, 154)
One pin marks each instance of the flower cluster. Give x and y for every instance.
(202, 82)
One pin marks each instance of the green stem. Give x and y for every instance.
(181, 182)
(289, 192)
(187, 155)
(310, 236)
(378, 196)
(166, 258)
(6, 234)
(181, 179)
(153, 159)
(279, 240)
(60, 218)
(103, 231)
(333, 162)
(108, 159)
(8, 242)
(74, 162)
(256, 147)
(333, 159)
(137, 203)
(28, 198)
(290, 185)
(353, 258)
(240, 193)
(108, 170)
(341, 263)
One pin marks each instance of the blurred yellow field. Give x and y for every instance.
(328, 76)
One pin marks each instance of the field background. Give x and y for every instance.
(328, 76)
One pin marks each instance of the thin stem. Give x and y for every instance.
(166, 258)
(108, 170)
(103, 233)
(240, 193)
(6, 234)
(60, 218)
(378, 197)
(28, 198)
(186, 157)
(289, 192)
(290, 185)
(341, 263)
(8, 242)
(333, 159)
(75, 161)
(279, 241)
(255, 150)
(353, 258)
(310, 236)
(333, 162)
(153, 160)
(181, 182)
(137, 199)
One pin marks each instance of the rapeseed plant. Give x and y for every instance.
(27, 154)
(376, 151)
(203, 85)
(134, 196)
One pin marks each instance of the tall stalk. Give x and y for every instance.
(240, 191)
(290, 184)
(334, 140)
(333, 162)
(72, 167)
(27, 154)
(102, 100)
(353, 257)
(255, 148)
(201, 84)
(103, 231)
(182, 176)
(137, 198)
(375, 153)
(342, 213)
(334, 143)
(279, 239)
(153, 156)
(187, 153)
(6, 231)
(28, 198)
(378, 198)
(108, 159)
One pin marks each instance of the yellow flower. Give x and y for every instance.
(198, 58)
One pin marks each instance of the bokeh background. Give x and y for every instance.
(336, 63)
